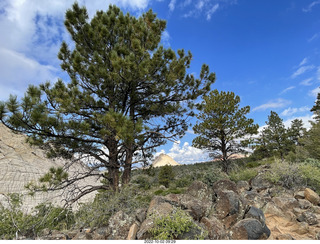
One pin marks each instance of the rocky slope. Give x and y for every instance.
(227, 211)
(20, 163)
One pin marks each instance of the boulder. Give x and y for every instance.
(144, 230)
(133, 232)
(304, 204)
(228, 203)
(200, 191)
(159, 206)
(249, 229)
(223, 185)
(299, 195)
(256, 213)
(259, 182)
(308, 217)
(214, 227)
(242, 186)
(119, 225)
(196, 208)
(285, 203)
(311, 196)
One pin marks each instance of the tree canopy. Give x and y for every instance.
(127, 94)
(223, 126)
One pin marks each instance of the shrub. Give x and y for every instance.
(245, 174)
(212, 175)
(14, 222)
(106, 204)
(143, 181)
(166, 175)
(285, 174)
(173, 226)
(311, 176)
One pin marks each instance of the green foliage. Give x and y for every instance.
(106, 204)
(212, 175)
(310, 143)
(166, 175)
(121, 78)
(245, 174)
(170, 227)
(143, 181)
(165, 192)
(222, 126)
(276, 140)
(14, 222)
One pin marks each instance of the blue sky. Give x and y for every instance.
(267, 52)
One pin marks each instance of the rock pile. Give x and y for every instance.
(221, 213)
(228, 211)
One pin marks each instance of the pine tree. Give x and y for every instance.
(223, 126)
(274, 137)
(127, 94)
(316, 108)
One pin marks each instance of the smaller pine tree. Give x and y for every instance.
(166, 175)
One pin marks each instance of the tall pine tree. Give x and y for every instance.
(127, 94)
(223, 127)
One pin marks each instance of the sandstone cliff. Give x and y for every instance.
(20, 163)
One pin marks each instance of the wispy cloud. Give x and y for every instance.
(303, 62)
(277, 103)
(287, 89)
(310, 6)
(314, 37)
(314, 92)
(306, 82)
(292, 111)
(212, 11)
(172, 5)
(301, 70)
(165, 38)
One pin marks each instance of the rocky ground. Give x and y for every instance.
(252, 210)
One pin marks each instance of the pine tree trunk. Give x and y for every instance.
(127, 168)
(113, 166)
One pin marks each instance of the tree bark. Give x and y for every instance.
(127, 167)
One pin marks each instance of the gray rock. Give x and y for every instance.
(308, 217)
(256, 213)
(249, 229)
(119, 225)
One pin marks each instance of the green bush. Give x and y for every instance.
(311, 176)
(106, 204)
(245, 174)
(14, 222)
(212, 175)
(143, 181)
(171, 227)
(285, 174)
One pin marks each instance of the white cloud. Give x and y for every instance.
(186, 154)
(165, 38)
(291, 111)
(212, 11)
(303, 62)
(17, 71)
(301, 70)
(314, 92)
(277, 103)
(310, 6)
(314, 37)
(33, 33)
(306, 82)
(287, 89)
(172, 5)
(305, 119)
